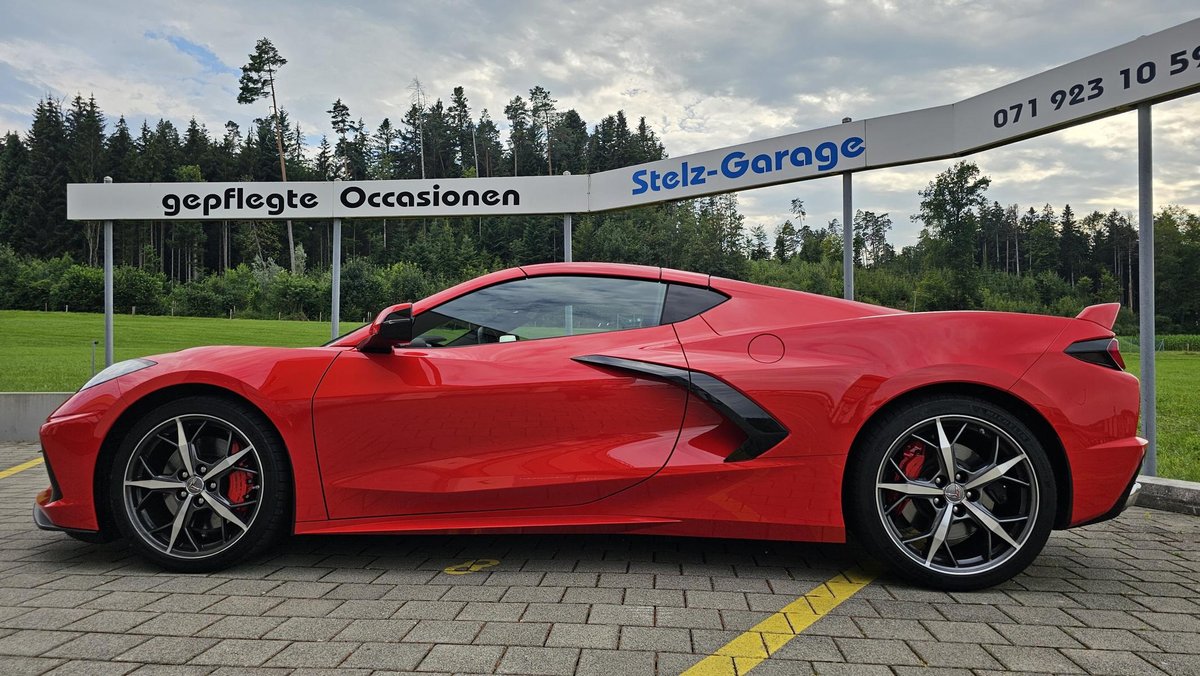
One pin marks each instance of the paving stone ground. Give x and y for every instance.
(1121, 597)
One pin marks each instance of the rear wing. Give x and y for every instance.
(1105, 314)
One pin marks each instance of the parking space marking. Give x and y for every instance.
(471, 566)
(765, 638)
(4, 474)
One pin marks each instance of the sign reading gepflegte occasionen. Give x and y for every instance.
(348, 199)
(1150, 69)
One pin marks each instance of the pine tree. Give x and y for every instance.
(542, 117)
(491, 151)
(344, 127)
(119, 153)
(568, 143)
(85, 148)
(85, 140)
(522, 151)
(1073, 249)
(463, 130)
(757, 244)
(257, 81)
(384, 155)
(785, 242)
(14, 200)
(43, 229)
(323, 166)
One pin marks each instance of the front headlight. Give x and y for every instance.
(117, 370)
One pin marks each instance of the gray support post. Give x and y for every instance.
(335, 311)
(567, 257)
(108, 288)
(847, 233)
(1146, 289)
(566, 238)
(847, 237)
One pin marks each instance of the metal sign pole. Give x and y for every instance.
(847, 233)
(567, 238)
(1146, 288)
(108, 288)
(847, 237)
(335, 312)
(567, 257)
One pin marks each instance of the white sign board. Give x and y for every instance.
(1153, 68)
(339, 199)
(779, 160)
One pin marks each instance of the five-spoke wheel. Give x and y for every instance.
(953, 492)
(195, 480)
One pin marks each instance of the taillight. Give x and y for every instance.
(1102, 351)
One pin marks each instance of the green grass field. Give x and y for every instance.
(51, 351)
(1178, 412)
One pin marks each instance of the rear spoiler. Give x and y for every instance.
(1105, 314)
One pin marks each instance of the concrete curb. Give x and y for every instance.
(22, 413)
(1171, 495)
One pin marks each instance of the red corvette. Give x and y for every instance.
(599, 397)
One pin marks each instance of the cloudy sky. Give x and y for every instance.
(704, 73)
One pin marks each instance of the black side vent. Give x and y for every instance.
(762, 431)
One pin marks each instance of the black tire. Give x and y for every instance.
(96, 538)
(148, 484)
(909, 514)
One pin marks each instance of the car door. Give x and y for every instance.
(487, 409)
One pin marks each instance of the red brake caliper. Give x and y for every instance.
(239, 482)
(912, 459)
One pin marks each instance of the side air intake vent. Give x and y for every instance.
(762, 431)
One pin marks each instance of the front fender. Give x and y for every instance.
(279, 382)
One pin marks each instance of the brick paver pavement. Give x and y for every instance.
(1116, 598)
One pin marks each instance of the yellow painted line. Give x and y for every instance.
(4, 474)
(472, 566)
(766, 638)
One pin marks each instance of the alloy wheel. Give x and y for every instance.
(192, 486)
(957, 495)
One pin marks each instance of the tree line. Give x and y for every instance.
(972, 252)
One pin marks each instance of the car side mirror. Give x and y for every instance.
(391, 327)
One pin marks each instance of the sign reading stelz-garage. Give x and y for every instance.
(1150, 69)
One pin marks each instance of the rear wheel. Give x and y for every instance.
(200, 483)
(953, 492)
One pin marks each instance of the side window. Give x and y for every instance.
(542, 307)
(684, 302)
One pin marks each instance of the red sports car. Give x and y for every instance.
(597, 397)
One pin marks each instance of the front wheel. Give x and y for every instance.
(199, 484)
(952, 492)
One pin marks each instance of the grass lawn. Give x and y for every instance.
(51, 351)
(1178, 412)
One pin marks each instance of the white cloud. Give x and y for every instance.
(705, 74)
